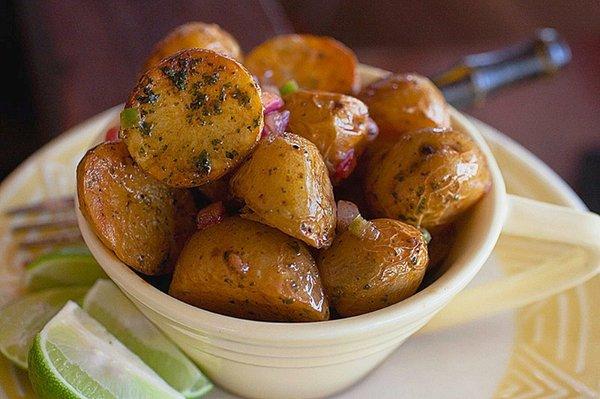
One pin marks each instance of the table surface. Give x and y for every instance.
(84, 56)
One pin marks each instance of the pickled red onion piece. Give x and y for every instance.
(112, 134)
(345, 167)
(346, 212)
(271, 101)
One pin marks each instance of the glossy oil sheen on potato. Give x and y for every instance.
(141, 219)
(285, 184)
(361, 275)
(195, 35)
(335, 123)
(245, 269)
(427, 178)
(314, 62)
(200, 115)
(403, 102)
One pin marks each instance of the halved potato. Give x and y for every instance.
(195, 35)
(403, 102)
(192, 118)
(361, 275)
(314, 62)
(285, 184)
(427, 178)
(245, 269)
(141, 219)
(337, 124)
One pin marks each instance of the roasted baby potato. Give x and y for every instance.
(195, 35)
(361, 275)
(285, 185)
(141, 219)
(245, 269)
(427, 178)
(337, 124)
(403, 102)
(192, 118)
(314, 62)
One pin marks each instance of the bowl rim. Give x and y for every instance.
(424, 303)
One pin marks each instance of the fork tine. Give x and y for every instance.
(60, 238)
(48, 205)
(65, 223)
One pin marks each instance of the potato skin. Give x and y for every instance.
(403, 102)
(245, 269)
(285, 185)
(195, 35)
(337, 124)
(314, 62)
(427, 178)
(361, 275)
(143, 221)
(200, 115)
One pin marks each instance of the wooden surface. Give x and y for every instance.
(83, 56)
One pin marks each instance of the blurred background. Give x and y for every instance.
(64, 61)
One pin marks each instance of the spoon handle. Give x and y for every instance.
(472, 79)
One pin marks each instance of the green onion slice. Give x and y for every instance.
(130, 117)
(289, 87)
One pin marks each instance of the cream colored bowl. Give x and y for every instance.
(310, 360)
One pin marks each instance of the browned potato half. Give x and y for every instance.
(192, 118)
(427, 178)
(314, 62)
(361, 275)
(337, 124)
(403, 102)
(285, 184)
(141, 219)
(195, 35)
(245, 269)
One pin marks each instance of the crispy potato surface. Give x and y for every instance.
(245, 269)
(192, 118)
(361, 275)
(143, 221)
(195, 35)
(337, 124)
(285, 185)
(314, 62)
(427, 178)
(403, 102)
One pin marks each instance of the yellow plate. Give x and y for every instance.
(548, 349)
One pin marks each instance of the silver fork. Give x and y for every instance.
(45, 224)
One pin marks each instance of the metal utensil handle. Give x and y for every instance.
(476, 76)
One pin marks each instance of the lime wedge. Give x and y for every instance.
(21, 320)
(107, 304)
(75, 357)
(64, 267)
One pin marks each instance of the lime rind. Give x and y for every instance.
(107, 304)
(62, 268)
(74, 356)
(22, 319)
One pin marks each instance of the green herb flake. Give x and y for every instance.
(203, 163)
(231, 154)
(210, 79)
(241, 96)
(149, 96)
(146, 128)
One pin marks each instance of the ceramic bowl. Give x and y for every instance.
(310, 360)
